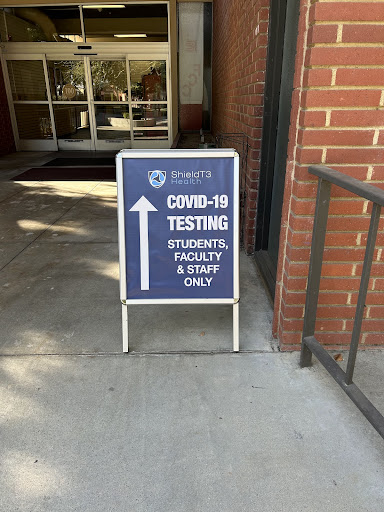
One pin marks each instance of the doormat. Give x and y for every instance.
(80, 161)
(67, 174)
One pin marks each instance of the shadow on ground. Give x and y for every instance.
(59, 277)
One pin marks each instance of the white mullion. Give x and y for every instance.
(110, 102)
(82, 23)
(135, 103)
(169, 102)
(12, 112)
(91, 109)
(168, 64)
(149, 128)
(49, 97)
(60, 102)
(128, 66)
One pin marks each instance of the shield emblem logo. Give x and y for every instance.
(157, 178)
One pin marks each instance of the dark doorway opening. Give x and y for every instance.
(283, 29)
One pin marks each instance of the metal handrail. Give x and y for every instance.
(310, 345)
(370, 192)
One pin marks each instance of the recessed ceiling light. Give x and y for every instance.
(130, 35)
(110, 6)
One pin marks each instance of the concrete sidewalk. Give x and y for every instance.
(210, 433)
(60, 279)
(86, 428)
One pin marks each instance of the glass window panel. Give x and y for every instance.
(150, 115)
(67, 80)
(33, 121)
(35, 24)
(150, 134)
(72, 121)
(109, 80)
(119, 23)
(27, 80)
(113, 122)
(148, 80)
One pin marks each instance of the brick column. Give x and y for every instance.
(337, 119)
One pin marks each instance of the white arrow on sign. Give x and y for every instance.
(143, 206)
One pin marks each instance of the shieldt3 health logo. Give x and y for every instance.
(156, 178)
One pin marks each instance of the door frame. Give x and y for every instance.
(283, 31)
(71, 51)
(155, 144)
(73, 144)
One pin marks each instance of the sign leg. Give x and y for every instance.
(124, 315)
(236, 328)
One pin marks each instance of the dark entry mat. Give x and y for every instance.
(67, 173)
(80, 161)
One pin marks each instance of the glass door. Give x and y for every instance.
(110, 103)
(68, 81)
(30, 107)
(88, 103)
(149, 103)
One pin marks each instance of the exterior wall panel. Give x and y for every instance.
(336, 119)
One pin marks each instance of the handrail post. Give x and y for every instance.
(370, 248)
(310, 345)
(315, 264)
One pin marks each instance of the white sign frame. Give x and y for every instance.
(177, 153)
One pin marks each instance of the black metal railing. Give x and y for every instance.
(310, 345)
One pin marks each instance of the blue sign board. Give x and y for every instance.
(178, 225)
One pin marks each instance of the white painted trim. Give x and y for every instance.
(129, 95)
(57, 50)
(91, 110)
(137, 103)
(49, 97)
(81, 14)
(179, 153)
(121, 226)
(150, 128)
(8, 91)
(236, 228)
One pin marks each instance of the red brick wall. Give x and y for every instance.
(238, 71)
(337, 119)
(7, 143)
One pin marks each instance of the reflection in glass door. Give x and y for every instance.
(111, 104)
(68, 88)
(148, 80)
